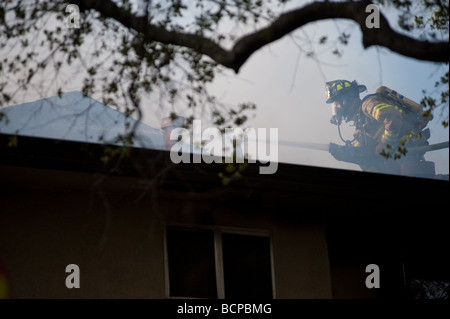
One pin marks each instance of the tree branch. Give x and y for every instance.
(245, 46)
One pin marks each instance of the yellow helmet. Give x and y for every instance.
(337, 88)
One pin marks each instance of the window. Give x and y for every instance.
(191, 263)
(207, 263)
(246, 266)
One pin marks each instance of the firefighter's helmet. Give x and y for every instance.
(343, 95)
(338, 88)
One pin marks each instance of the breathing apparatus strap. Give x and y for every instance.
(347, 142)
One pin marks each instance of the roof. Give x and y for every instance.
(75, 117)
(288, 185)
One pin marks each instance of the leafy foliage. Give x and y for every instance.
(430, 20)
(423, 289)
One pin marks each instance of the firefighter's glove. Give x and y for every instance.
(347, 153)
(337, 151)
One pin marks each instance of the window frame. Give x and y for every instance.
(218, 255)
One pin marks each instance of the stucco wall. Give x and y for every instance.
(49, 219)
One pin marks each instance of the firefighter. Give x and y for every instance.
(383, 124)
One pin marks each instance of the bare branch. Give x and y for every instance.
(245, 46)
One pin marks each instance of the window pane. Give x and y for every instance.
(191, 263)
(246, 266)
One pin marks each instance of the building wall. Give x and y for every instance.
(46, 224)
(113, 229)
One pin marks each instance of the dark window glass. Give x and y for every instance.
(191, 263)
(246, 266)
